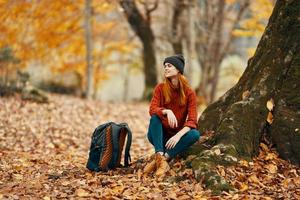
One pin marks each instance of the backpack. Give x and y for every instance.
(107, 146)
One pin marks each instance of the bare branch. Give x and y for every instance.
(149, 10)
(154, 7)
(236, 21)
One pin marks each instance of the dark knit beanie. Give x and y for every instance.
(177, 61)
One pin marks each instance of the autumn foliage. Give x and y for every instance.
(51, 33)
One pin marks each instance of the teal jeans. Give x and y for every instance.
(158, 139)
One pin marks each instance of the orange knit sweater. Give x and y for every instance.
(186, 115)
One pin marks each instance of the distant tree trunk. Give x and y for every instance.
(190, 38)
(214, 40)
(239, 116)
(183, 33)
(142, 27)
(176, 39)
(89, 49)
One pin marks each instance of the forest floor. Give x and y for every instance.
(44, 149)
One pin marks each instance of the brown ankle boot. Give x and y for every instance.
(150, 167)
(162, 165)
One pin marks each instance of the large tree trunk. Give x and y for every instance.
(239, 116)
(142, 27)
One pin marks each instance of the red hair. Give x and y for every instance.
(183, 84)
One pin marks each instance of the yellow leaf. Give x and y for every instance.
(46, 198)
(183, 197)
(244, 163)
(243, 187)
(264, 147)
(217, 151)
(81, 193)
(222, 172)
(286, 183)
(254, 179)
(270, 118)
(272, 168)
(270, 104)
(118, 189)
(271, 156)
(266, 198)
(18, 176)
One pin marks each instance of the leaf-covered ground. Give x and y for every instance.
(44, 149)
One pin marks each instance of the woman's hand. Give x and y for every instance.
(171, 143)
(171, 118)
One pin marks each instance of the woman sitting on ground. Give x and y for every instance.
(173, 123)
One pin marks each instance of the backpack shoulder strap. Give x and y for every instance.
(115, 140)
(127, 157)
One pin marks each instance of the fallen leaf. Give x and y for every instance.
(244, 163)
(286, 183)
(271, 156)
(139, 174)
(266, 198)
(296, 181)
(270, 118)
(236, 196)
(118, 189)
(18, 176)
(254, 179)
(272, 168)
(264, 147)
(183, 197)
(243, 187)
(82, 193)
(270, 104)
(217, 151)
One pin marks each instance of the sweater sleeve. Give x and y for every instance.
(192, 111)
(155, 104)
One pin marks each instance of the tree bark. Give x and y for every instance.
(89, 49)
(176, 39)
(142, 27)
(239, 116)
(183, 32)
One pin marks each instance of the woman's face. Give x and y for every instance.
(170, 70)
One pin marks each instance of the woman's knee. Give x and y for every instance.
(154, 119)
(153, 127)
(194, 135)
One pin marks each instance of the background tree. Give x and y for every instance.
(51, 34)
(7, 64)
(239, 117)
(89, 48)
(183, 31)
(254, 24)
(141, 25)
(216, 21)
